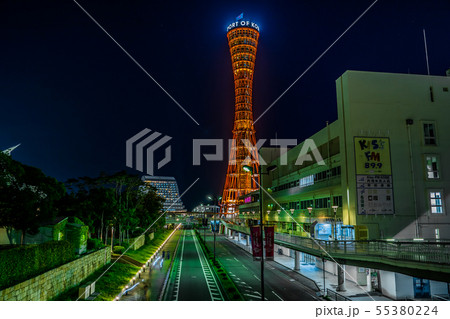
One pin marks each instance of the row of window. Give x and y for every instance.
(243, 33)
(243, 41)
(314, 203)
(243, 65)
(435, 198)
(310, 179)
(243, 57)
(243, 49)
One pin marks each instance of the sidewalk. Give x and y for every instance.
(353, 291)
(150, 284)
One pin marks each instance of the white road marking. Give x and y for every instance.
(277, 295)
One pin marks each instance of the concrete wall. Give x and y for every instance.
(387, 282)
(438, 287)
(4, 240)
(404, 287)
(399, 287)
(137, 242)
(53, 282)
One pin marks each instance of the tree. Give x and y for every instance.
(27, 196)
(119, 200)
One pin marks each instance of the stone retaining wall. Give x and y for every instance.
(55, 281)
(140, 241)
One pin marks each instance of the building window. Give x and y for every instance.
(322, 202)
(307, 181)
(429, 133)
(337, 201)
(432, 166)
(294, 205)
(304, 204)
(436, 202)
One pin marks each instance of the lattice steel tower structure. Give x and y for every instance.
(242, 40)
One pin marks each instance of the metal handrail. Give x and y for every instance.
(430, 252)
(337, 296)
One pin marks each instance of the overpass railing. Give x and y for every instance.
(427, 252)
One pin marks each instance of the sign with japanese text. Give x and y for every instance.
(255, 232)
(373, 176)
(269, 239)
(372, 156)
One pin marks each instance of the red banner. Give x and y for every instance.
(255, 232)
(269, 233)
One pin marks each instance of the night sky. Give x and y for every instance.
(72, 97)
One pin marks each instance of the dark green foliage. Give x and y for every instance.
(27, 196)
(94, 244)
(118, 249)
(24, 262)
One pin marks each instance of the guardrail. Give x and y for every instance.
(440, 297)
(333, 295)
(427, 252)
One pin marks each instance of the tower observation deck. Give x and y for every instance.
(243, 40)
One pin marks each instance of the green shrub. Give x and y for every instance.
(24, 262)
(118, 249)
(94, 244)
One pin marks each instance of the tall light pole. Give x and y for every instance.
(335, 207)
(215, 199)
(250, 170)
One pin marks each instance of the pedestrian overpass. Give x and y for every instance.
(183, 217)
(429, 260)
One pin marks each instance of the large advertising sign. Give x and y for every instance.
(255, 232)
(269, 239)
(373, 176)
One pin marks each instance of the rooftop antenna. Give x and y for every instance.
(9, 150)
(426, 50)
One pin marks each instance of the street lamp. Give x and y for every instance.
(269, 169)
(335, 207)
(214, 199)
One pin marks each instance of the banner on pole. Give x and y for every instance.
(255, 232)
(269, 239)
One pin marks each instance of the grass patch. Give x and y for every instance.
(109, 286)
(112, 283)
(144, 253)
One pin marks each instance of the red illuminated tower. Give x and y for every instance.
(243, 40)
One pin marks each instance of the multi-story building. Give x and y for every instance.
(383, 174)
(167, 188)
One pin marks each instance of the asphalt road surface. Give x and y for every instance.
(191, 278)
(281, 283)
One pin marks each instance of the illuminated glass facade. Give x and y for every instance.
(167, 188)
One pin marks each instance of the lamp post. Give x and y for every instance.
(215, 199)
(335, 207)
(250, 170)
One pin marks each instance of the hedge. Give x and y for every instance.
(24, 262)
(118, 249)
(94, 244)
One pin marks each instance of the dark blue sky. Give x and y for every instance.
(72, 97)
